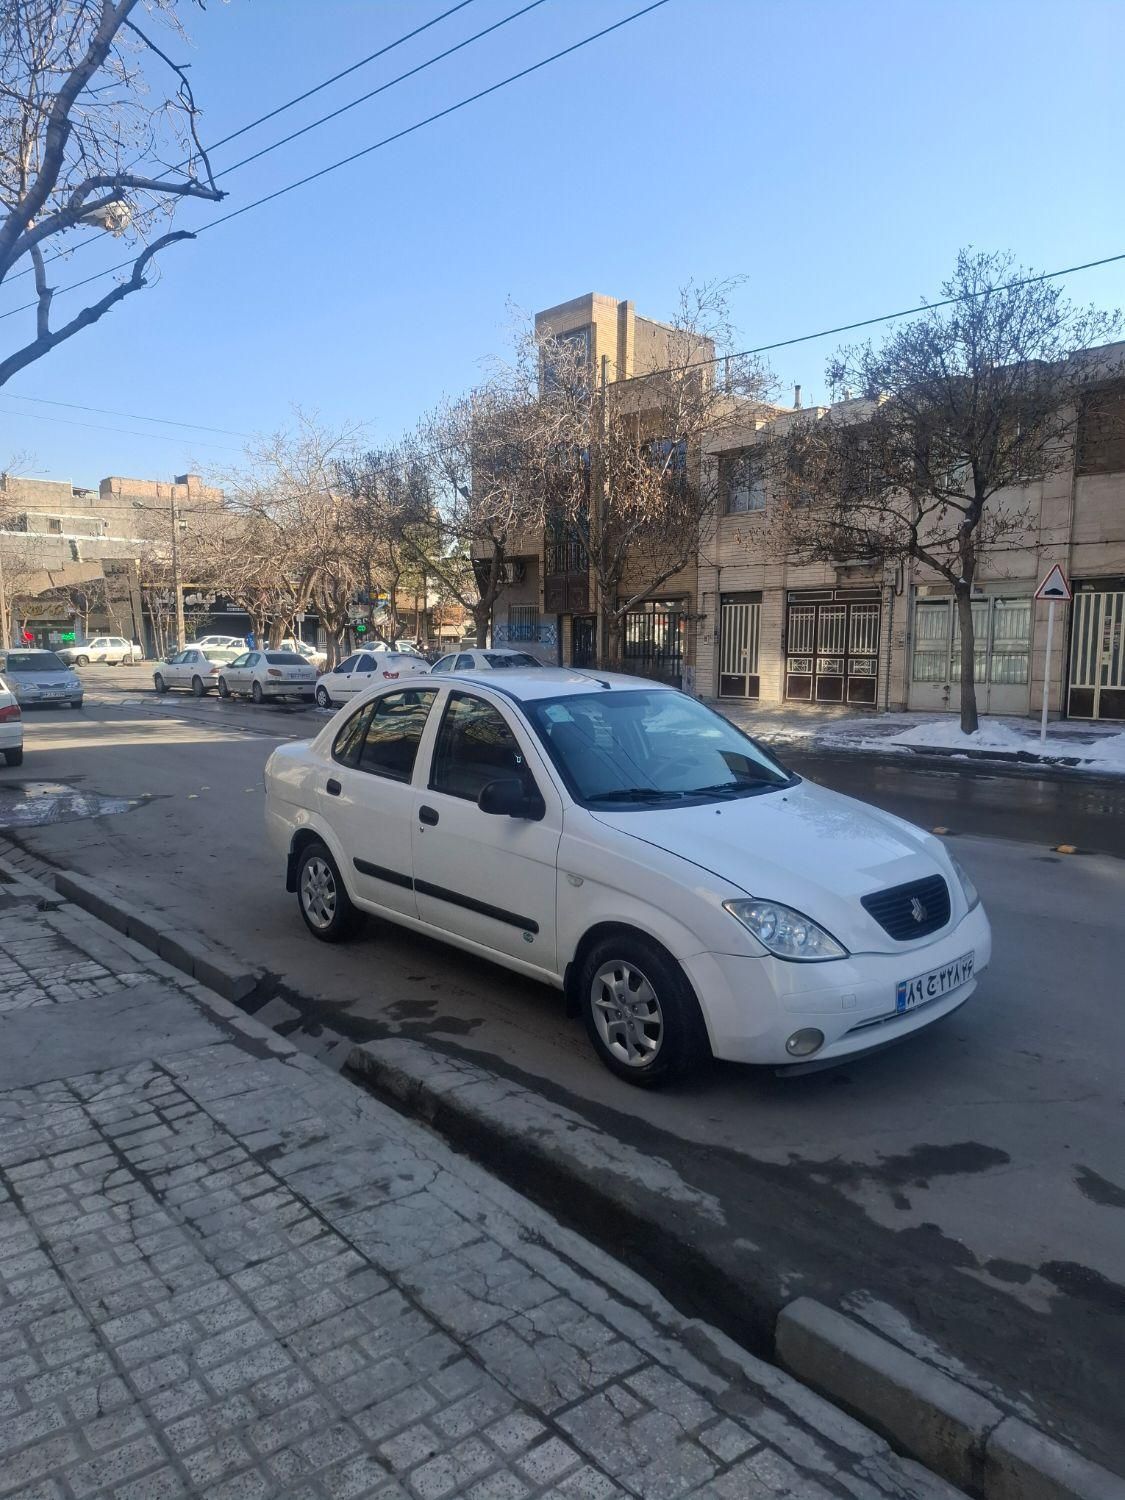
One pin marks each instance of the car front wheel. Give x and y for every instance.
(158, 682)
(325, 904)
(640, 1011)
(322, 697)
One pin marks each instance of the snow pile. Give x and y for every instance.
(948, 735)
(1105, 755)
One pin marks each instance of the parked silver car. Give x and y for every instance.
(41, 677)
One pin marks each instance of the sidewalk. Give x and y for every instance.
(1097, 748)
(227, 1272)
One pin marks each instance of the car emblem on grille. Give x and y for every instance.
(917, 910)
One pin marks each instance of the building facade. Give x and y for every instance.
(777, 632)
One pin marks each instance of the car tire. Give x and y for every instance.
(81, 661)
(224, 691)
(325, 905)
(197, 688)
(322, 697)
(158, 682)
(14, 757)
(76, 703)
(664, 1037)
(256, 692)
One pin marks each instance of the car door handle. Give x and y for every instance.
(427, 815)
(333, 787)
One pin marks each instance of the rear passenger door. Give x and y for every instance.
(484, 878)
(368, 800)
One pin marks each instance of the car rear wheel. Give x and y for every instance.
(82, 661)
(197, 687)
(14, 757)
(224, 691)
(640, 1011)
(322, 697)
(158, 682)
(325, 904)
(256, 692)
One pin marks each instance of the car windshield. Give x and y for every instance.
(285, 659)
(35, 661)
(649, 746)
(510, 659)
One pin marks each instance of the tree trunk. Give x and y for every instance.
(481, 616)
(969, 720)
(614, 642)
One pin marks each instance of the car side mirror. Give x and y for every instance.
(510, 798)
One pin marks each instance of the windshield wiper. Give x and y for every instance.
(637, 794)
(735, 788)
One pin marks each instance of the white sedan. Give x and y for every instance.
(628, 845)
(196, 669)
(11, 727)
(223, 642)
(362, 670)
(111, 650)
(268, 674)
(500, 659)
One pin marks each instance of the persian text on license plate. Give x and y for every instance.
(932, 986)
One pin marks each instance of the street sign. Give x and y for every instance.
(1055, 586)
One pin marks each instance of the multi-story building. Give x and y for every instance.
(775, 631)
(548, 605)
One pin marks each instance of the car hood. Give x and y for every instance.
(805, 846)
(49, 678)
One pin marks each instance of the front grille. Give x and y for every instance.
(895, 909)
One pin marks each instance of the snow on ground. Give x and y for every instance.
(1091, 747)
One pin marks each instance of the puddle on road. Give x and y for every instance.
(33, 804)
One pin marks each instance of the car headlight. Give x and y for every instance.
(784, 932)
(972, 895)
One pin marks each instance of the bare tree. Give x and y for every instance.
(955, 413)
(625, 481)
(391, 523)
(98, 126)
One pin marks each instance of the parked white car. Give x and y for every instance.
(111, 650)
(500, 659)
(42, 677)
(363, 670)
(627, 844)
(311, 653)
(197, 669)
(11, 726)
(268, 674)
(223, 642)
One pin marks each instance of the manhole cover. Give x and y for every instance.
(35, 803)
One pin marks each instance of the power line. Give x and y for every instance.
(162, 437)
(377, 146)
(280, 109)
(133, 416)
(382, 89)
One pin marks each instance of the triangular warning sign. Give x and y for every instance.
(1054, 586)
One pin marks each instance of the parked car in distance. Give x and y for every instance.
(234, 642)
(196, 669)
(41, 677)
(625, 843)
(268, 674)
(363, 670)
(311, 653)
(492, 660)
(11, 726)
(111, 650)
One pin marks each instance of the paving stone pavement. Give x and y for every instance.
(227, 1272)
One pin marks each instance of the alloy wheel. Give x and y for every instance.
(318, 892)
(627, 1013)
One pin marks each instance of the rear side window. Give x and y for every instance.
(345, 747)
(474, 746)
(390, 744)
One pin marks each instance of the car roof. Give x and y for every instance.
(552, 682)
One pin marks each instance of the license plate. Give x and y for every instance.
(53, 692)
(932, 986)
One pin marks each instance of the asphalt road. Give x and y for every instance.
(971, 1180)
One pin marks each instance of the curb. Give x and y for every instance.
(925, 1414)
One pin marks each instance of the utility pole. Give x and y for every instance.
(177, 579)
(5, 634)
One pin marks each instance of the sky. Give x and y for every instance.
(831, 156)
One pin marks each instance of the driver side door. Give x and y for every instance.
(487, 879)
(240, 672)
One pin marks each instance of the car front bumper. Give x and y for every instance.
(753, 1005)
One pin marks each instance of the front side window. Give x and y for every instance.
(347, 665)
(465, 662)
(649, 746)
(244, 660)
(443, 664)
(475, 746)
(390, 743)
